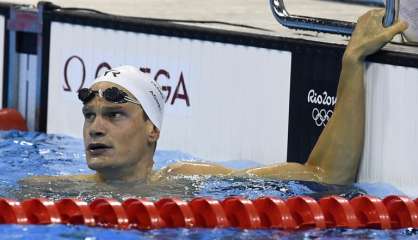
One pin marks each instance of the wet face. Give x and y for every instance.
(116, 136)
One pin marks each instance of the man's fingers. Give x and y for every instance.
(403, 25)
(396, 28)
(378, 13)
(390, 32)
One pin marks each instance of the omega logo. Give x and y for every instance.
(174, 90)
(67, 86)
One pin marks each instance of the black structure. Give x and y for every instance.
(4, 11)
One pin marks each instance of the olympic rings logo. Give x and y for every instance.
(321, 117)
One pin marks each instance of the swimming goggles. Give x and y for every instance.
(113, 94)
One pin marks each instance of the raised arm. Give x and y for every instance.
(338, 150)
(336, 155)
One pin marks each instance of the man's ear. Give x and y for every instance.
(153, 133)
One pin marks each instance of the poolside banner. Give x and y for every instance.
(223, 101)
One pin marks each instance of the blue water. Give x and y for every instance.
(26, 154)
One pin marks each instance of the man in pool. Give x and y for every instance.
(121, 128)
(123, 113)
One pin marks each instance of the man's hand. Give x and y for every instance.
(370, 35)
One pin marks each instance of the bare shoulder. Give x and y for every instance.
(41, 179)
(194, 168)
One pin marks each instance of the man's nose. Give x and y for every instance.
(97, 128)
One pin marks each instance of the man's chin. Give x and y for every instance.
(98, 163)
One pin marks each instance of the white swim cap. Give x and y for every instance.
(147, 91)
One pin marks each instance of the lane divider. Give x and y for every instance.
(300, 212)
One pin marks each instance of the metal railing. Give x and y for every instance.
(321, 24)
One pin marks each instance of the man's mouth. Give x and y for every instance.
(98, 148)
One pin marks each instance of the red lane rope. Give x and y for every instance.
(298, 212)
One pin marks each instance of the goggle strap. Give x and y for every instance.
(128, 99)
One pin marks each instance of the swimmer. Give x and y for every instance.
(121, 127)
(123, 112)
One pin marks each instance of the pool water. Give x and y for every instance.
(27, 154)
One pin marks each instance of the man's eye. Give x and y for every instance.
(115, 114)
(88, 115)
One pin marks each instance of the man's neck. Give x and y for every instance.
(138, 172)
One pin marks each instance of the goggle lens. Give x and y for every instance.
(113, 94)
(85, 95)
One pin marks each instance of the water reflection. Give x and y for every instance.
(181, 187)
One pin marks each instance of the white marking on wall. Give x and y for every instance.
(391, 137)
(238, 96)
(27, 88)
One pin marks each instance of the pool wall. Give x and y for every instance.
(230, 95)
